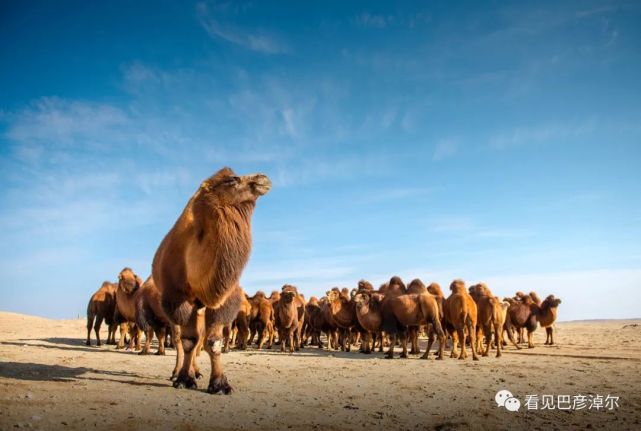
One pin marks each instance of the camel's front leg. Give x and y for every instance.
(218, 383)
(191, 338)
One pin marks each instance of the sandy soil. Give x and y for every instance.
(50, 380)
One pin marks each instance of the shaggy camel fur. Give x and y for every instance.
(460, 316)
(150, 316)
(102, 306)
(416, 286)
(197, 269)
(521, 314)
(125, 315)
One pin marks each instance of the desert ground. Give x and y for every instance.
(50, 380)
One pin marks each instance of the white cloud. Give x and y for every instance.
(258, 42)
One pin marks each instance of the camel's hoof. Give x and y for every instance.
(403, 356)
(439, 358)
(530, 347)
(142, 352)
(476, 358)
(98, 344)
(160, 353)
(120, 347)
(220, 385)
(518, 347)
(185, 382)
(389, 356)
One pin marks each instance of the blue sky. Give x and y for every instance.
(436, 141)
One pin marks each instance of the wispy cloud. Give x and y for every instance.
(445, 149)
(372, 20)
(543, 134)
(259, 42)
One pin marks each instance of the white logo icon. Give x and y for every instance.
(504, 398)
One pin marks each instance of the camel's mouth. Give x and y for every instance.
(261, 184)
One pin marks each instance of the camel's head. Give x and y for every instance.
(361, 300)
(551, 301)
(457, 286)
(128, 281)
(365, 285)
(226, 189)
(275, 295)
(435, 289)
(288, 296)
(312, 301)
(478, 290)
(334, 294)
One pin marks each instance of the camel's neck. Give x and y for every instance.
(218, 251)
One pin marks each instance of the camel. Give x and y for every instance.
(150, 316)
(102, 305)
(261, 320)
(547, 317)
(460, 315)
(402, 310)
(315, 322)
(241, 324)
(416, 286)
(288, 319)
(368, 312)
(521, 314)
(197, 269)
(341, 310)
(489, 318)
(125, 314)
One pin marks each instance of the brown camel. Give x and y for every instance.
(460, 316)
(521, 314)
(288, 318)
(368, 312)
(261, 320)
(403, 311)
(547, 317)
(102, 306)
(489, 318)
(416, 286)
(150, 316)
(315, 322)
(342, 314)
(198, 265)
(241, 324)
(125, 314)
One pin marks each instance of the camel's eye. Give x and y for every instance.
(231, 181)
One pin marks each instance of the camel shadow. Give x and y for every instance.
(73, 344)
(58, 373)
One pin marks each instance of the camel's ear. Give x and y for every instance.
(138, 281)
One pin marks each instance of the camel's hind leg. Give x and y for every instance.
(461, 340)
(455, 341)
(149, 335)
(96, 328)
(472, 333)
(161, 334)
(510, 335)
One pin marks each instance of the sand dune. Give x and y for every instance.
(50, 380)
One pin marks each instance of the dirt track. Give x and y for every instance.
(50, 380)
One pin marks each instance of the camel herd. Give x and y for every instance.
(391, 315)
(193, 300)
